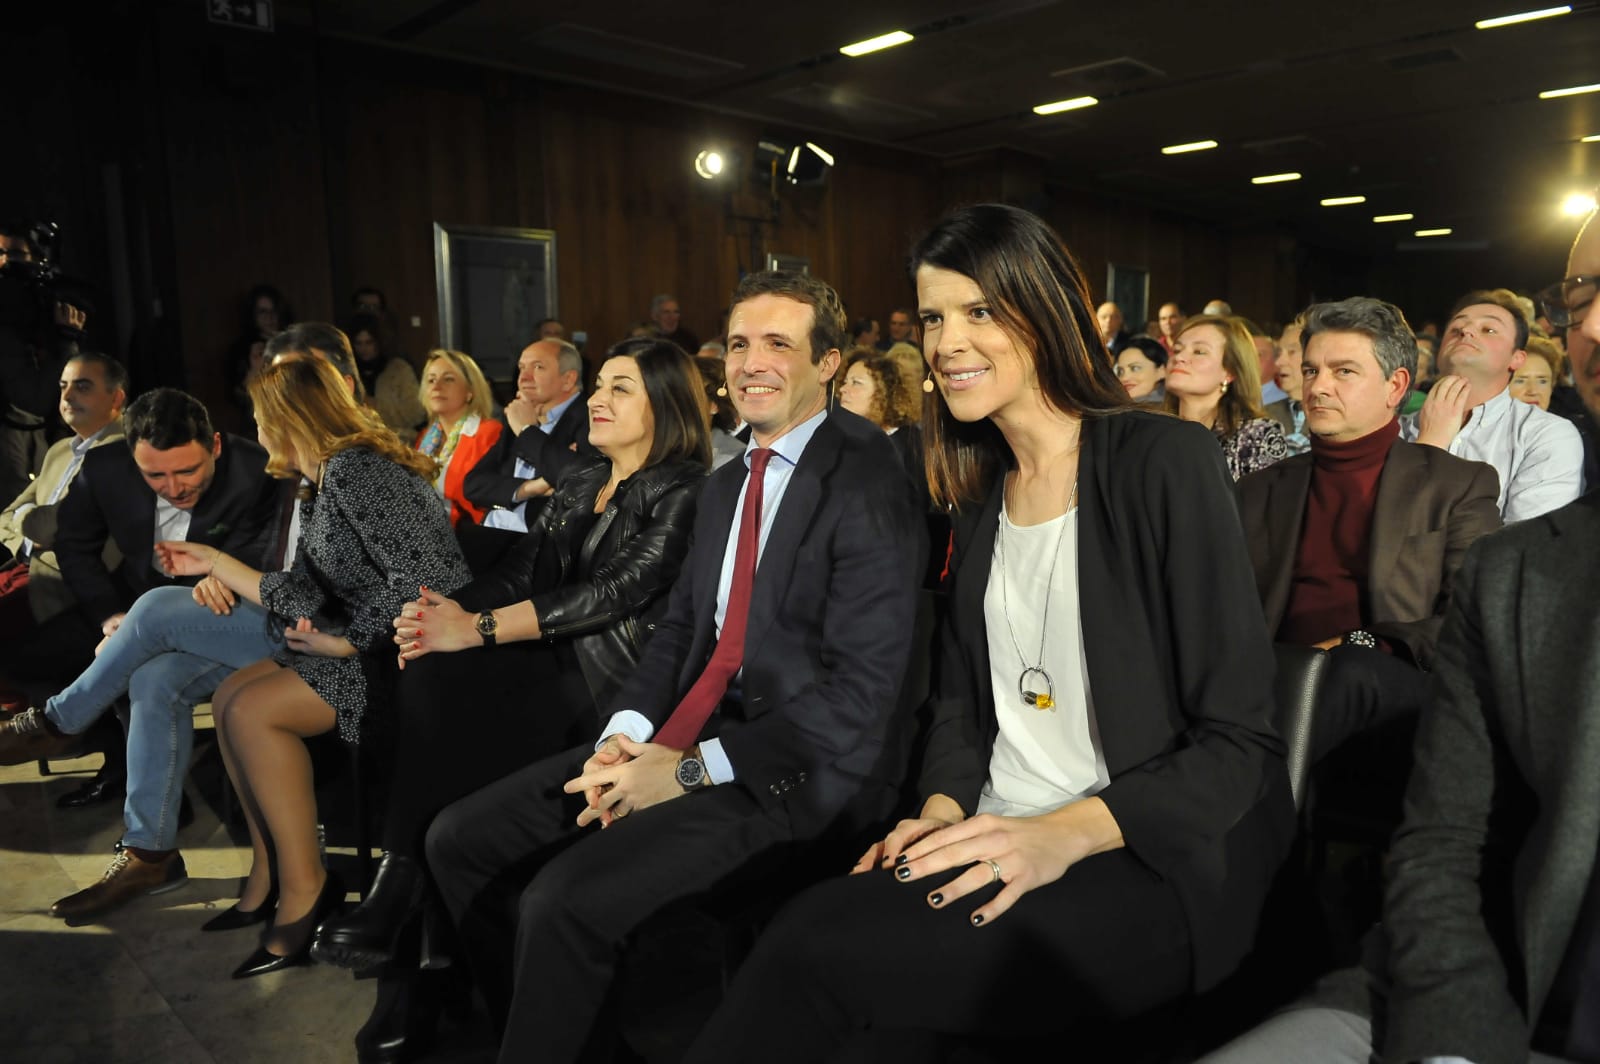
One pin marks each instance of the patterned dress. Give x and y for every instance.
(1255, 445)
(369, 538)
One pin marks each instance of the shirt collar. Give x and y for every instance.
(1490, 411)
(792, 444)
(554, 413)
(81, 444)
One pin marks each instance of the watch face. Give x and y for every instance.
(690, 773)
(487, 624)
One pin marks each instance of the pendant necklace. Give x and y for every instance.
(1045, 699)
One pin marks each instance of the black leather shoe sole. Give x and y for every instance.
(353, 955)
(93, 793)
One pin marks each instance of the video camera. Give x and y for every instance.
(32, 288)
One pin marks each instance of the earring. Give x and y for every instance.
(927, 383)
(722, 392)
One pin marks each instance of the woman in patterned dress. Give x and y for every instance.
(372, 532)
(1214, 378)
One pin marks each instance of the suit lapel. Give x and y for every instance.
(1284, 516)
(1402, 482)
(789, 528)
(970, 565)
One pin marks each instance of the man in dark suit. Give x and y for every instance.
(1490, 952)
(1356, 544)
(768, 694)
(176, 479)
(1109, 315)
(546, 424)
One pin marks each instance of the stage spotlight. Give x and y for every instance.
(1578, 204)
(808, 165)
(708, 164)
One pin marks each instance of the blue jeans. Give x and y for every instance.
(169, 655)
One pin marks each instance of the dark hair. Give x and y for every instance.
(115, 373)
(1150, 349)
(1392, 343)
(1498, 299)
(166, 418)
(827, 312)
(355, 297)
(677, 399)
(714, 378)
(861, 325)
(1038, 296)
(318, 338)
(247, 323)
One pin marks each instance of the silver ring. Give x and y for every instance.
(994, 866)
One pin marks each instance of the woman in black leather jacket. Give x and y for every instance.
(514, 666)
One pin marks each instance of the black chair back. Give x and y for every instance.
(1299, 678)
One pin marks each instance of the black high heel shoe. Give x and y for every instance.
(264, 960)
(235, 918)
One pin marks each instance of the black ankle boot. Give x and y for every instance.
(365, 938)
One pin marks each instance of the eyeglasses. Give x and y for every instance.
(1565, 302)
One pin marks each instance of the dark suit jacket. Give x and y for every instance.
(829, 630)
(1431, 507)
(1174, 643)
(110, 500)
(1488, 870)
(493, 480)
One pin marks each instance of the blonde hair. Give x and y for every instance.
(1550, 351)
(480, 400)
(305, 404)
(1241, 401)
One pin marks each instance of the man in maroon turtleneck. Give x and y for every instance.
(1356, 544)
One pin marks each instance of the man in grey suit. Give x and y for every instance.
(1490, 948)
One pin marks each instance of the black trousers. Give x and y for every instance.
(1107, 940)
(512, 853)
(469, 718)
(1363, 689)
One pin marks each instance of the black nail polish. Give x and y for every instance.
(977, 919)
(902, 873)
(900, 860)
(936, 899)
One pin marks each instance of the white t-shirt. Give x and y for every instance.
(1043, 758)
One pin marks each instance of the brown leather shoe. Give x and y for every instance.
(30, 735)
(126, 879)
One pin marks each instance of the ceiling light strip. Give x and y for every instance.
(1433, 232)
(1075, 104)
(1274, 179)
(1181, 149)
(1343, 201)
(1576, 90)
(1393, 217)
(877, 44)
(1525, 16)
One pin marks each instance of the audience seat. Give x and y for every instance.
(1295, 689)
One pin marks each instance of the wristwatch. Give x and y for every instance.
(487, 626)
(1358, 638)
(692, 770)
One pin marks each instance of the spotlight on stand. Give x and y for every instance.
(709, 164)
(807, 164)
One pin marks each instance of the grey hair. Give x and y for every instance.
(568, 360)
(715, 345)
(1382, 323)
(664, 297)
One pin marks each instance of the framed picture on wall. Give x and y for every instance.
(494, 286)
(1129, 288)
(776, 260)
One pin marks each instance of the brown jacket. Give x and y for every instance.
(1431, 507)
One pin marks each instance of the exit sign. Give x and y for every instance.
(244, 14)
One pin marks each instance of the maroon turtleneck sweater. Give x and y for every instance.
(1328, 588)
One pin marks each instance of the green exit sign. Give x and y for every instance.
(244, 14)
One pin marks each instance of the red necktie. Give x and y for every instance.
(683, 727)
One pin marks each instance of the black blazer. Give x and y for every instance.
(110, 500)
(829, 632)
(1179, 665)
(615, 570)
(493, 481)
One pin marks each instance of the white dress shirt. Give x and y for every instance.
(514, 518)
(1538, 455)
(787, 450)
(171, 523)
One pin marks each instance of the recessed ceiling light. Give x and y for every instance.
(876, 44)
(1578, 204)
(1526, 16)
(1592, 138)
(1198, 145)
(1393, 217)
(1343, 201)
(1433, 232)
(1074, 104)
(1576, 90)
(1273, 179)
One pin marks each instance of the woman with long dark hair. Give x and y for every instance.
(1103, 799)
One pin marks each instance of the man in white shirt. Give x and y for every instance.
(1469, 413)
